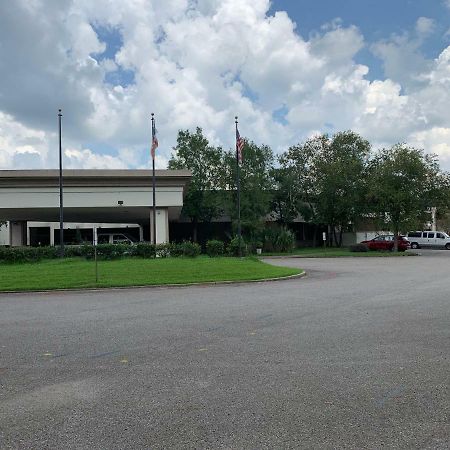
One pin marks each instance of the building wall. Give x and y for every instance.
(89, 197)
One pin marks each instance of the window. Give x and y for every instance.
(440, 236)
(415, 234)
(430, 235)
(103, 239)
(120, 239)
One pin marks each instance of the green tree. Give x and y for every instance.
(327, 179)
(286, 204)
(404, 184)
(256, 186)
(340, 168)
(193, 152)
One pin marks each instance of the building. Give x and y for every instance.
(93, 199)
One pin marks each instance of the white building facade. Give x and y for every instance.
(92, 199)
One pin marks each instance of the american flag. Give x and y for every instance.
(154, 144)
(240, 142)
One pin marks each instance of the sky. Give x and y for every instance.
(290, 69)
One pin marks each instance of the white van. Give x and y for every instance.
(431, 239)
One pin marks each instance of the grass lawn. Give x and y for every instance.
(79, 273)
(320, 252)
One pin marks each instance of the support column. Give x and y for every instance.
(52, 234)
(18, 233)
(162, 225)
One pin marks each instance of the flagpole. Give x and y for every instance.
(238, 185)
(154, 182)
(61, 204)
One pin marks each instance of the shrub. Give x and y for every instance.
(278, 239)
(74, 251)
(215, 248)
(27, 254)
(233, 247)
(176, 250)
(190, 249)
(356, 248)
(163, 250)
(285, 240)
(144, 250)
(47, 252)
(111, 251)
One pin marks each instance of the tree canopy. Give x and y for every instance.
(256, 185)
(193, 152)
(404, 183)
(335, 180)
(328, 179)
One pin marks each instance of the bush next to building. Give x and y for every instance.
(235, 244)
(215, 248)
(27, 254)
(278, 239)
(190, 249)
(144, 250)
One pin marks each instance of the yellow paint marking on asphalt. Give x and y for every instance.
(252, 333)
(124, 360)
(202, 349)
(48, 354)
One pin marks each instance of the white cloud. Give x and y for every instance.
(402, 60)
(425, 26)
(199, 63)
(436, 140)
(18, 141)
(86, 159)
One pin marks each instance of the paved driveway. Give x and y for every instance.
(355, 355)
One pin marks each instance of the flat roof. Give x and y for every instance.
(93, 177)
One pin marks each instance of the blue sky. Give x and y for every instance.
(377, 20)
(379, 67)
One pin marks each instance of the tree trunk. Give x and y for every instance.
(315, 235)
(337, 239)
(330, 235)
(395, 239)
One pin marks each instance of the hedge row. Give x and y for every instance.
(114, 251)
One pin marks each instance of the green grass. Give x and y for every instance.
(79, 273)
(319, 252)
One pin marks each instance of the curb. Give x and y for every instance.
(159, 286)
(388, 255)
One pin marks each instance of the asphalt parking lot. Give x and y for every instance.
(355, 355)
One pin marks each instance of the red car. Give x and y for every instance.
(386, 242)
